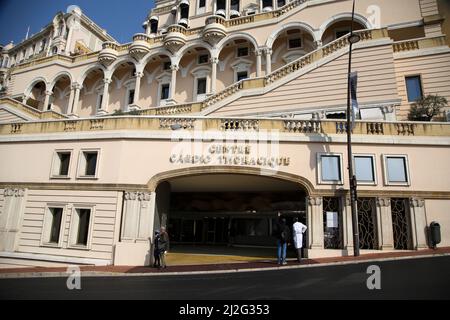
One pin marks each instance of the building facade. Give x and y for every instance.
(214, 119)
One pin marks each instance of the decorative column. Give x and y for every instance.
(258, 62)
(418, 223)
(214, 62)
(48, 94)
(71, 96)
(389, 113)
(137, 90)
(173, 84)
(315, 223)
(11, 217)
(384, 223)
(268, 61)
(77, 87)
(105, 101)
(347, 225)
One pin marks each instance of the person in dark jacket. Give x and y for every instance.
(156, 259)
(163, 246)
(282, 233)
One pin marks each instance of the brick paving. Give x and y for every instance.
(227, 266)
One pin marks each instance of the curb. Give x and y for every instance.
(91, 274)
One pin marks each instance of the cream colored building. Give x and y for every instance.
(219, 115)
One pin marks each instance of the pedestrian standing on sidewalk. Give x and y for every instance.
(163, 246)
(156, 259)
(282, 233)
(299, 230)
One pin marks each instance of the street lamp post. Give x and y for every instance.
(353, 38)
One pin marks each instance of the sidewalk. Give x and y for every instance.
(227, 267)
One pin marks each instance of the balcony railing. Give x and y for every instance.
(293, 127)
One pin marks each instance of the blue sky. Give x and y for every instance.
(121, 18)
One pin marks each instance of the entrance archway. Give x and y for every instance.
(231, 211)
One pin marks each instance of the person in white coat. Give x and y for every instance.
(299, 230)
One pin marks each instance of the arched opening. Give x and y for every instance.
(195, 79)
(290, 44)
(122, 88)
(238, 61)
(227, 213)
(155, 85)
(91, 96)
(235, 11)
(36, 95)
(154, 25)
(221, 7)
(339, 29)
(61, 94)
(184, 13)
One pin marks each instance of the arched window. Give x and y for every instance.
(153, 25)
(267, 5)
(221, 8)
(55, 50)
(234, 9)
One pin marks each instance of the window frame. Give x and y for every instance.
(374, 169)
(75, 225)
(80, 170)
(55, 158)
(385, 170)
(319, 168)
(293, 37)
(242, 47)
(420, 84)
(47, 225)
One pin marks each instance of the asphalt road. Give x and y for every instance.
(425, 278)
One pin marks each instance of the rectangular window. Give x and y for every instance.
(202, 3)
(242, 51)
(330, 168)
(365, 169)
(201, 86)
(342, 33)
(55, 230)
(61, 164)
(165, 91)
(242, 75)
(88, 164)
(413, 88)
(166, 65)
(396, 170)
(203, 58)
(99, 101)
(84, 216)
(131, 96)
(295, 43)
(281, 3)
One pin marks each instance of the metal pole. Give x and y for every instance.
(351, 174)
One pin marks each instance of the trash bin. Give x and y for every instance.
(435, 234)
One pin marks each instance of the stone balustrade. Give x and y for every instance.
(239, 124)
(303, 126)
(416, 44)
(287, 126)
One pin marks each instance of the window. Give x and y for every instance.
(201, 3)
(55, 50)
(330, 168)
(281, 3)
(166, 65)
(295, 43)
(413, 88)
(242, 75)
(130, 96)
(365, 169)
(153, 26)
(202, 59)
(396, 170)
(242, 51)
(267, 3)
(201, 86)
(56, 214)
(341, 33)
(88, 164)
(99, 101)
(165, 91)
(61, 164)
(80, 228)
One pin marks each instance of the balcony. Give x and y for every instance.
(175, 38)
(214, 30)
(140, 46)
(108, 54)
